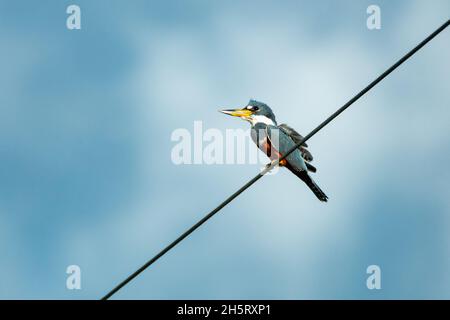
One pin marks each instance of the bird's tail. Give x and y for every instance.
(311, 184)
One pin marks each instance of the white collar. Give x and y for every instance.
(261, 119)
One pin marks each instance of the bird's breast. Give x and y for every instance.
(271, 152)
(259, 136)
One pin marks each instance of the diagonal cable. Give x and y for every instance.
(276, 162)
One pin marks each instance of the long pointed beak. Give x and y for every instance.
(237, 112)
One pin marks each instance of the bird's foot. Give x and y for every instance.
(270, 168)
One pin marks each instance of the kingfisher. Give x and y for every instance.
(276, 140)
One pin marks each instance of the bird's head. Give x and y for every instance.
(253, 112)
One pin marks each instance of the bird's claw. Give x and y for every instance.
(272, 164)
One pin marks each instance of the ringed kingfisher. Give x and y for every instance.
(276, 140)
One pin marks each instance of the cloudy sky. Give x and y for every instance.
(87, 179)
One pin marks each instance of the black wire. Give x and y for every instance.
(274, 163)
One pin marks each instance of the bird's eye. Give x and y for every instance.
(255, 108)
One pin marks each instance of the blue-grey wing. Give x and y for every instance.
(283, 143)
(297, 138)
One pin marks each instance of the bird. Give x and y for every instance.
(276, 140)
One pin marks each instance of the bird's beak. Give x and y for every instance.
(243, 113)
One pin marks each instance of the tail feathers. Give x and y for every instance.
(311, 184)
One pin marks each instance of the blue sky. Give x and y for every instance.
(86, 178)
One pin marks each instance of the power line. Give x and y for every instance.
(274, 163)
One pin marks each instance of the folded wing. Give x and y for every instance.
(297, 138)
